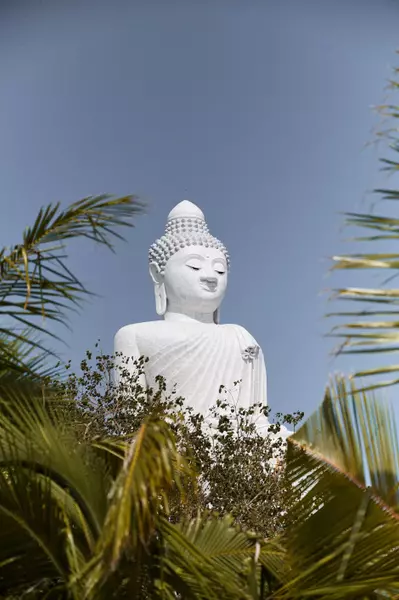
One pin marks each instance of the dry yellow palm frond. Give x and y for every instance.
(372, 325)
(343, 538)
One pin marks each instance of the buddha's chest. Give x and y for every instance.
(194, 340)
(199, 359)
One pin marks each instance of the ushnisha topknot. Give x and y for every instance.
(185, 226)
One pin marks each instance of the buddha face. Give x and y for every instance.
(195, 278)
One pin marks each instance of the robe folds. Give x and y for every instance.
(196, 359)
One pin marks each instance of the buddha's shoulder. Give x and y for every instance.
(241, 332)
(139, 332)
(135, 329)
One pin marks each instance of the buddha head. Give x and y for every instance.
(188, 265)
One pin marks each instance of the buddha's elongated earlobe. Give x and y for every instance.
(159, 289)
(160, 300)
(216, 316)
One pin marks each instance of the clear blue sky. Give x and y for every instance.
(256, 110)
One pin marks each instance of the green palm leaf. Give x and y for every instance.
(208, 557)
(202, 559)
(358, 435)
(53, 494)
(151, 468)
(343, 541)
(35, 281)
(69, 523)
(22, 359)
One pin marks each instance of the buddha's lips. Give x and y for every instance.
(209, 287)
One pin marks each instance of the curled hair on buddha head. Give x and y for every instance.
(185, 227)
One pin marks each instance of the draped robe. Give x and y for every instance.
(197, 358)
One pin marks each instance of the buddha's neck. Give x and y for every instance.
(185, 315)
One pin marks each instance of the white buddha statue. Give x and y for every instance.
(188, 346)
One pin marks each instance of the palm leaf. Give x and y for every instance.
(207, 557)
(22, 359)
(343, 540)
(358, 435)
(151, 468)
(73, 522)
(53, 494)
(35, 281)
(372, 334)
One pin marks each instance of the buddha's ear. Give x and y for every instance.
(216, 316)
(161, 301)
(155, 274)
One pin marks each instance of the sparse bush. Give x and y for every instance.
(241, 471)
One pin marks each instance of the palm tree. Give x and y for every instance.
(36, 284)
(372, 325)
(90, 520)
(343, 535)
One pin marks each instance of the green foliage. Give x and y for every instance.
(327, 516)
(35, 282)
(343, 539)
(74, 526)
(121, 506)
(236, 464)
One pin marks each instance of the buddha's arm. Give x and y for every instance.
(125, 343)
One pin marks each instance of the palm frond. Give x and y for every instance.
(53, 493)
(357, 434)
(35, 281)
(207, 558)
(343, 540)
(151, 468)
(361, 330)
(20, 359)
